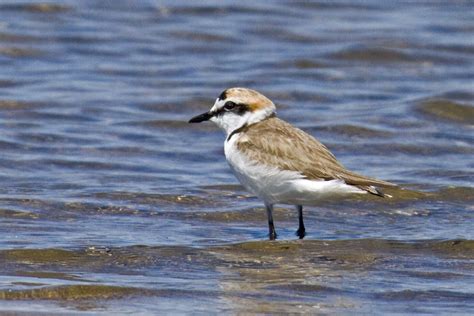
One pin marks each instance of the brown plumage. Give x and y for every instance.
(276, 143)
(260, 147)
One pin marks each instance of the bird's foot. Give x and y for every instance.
(272, 235)
(301, 232)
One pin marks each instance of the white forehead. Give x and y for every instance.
(218, 104)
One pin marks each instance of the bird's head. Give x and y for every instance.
(236, 107)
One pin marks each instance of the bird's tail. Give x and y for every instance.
(374, 190)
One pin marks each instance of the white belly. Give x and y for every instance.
(281, 186)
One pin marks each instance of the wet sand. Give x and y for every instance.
(254, 277)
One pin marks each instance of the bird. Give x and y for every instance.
(279, 163)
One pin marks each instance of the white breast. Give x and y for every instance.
(274, 185)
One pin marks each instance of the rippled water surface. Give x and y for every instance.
(110, 202)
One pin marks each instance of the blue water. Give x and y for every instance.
(96, 156)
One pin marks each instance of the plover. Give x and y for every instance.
(277, 161)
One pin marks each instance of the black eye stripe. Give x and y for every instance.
(229, 105)
(237, 108)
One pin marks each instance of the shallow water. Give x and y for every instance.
(111, 203)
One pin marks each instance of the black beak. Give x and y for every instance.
(201, 117)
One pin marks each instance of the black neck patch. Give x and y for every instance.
(235, 131)
(243, 127)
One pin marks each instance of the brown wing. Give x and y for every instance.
(275, 142)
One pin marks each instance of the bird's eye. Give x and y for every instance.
(229, 105)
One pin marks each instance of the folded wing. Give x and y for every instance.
(276, 143)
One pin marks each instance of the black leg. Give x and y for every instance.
(272, 233)
(301, 232)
